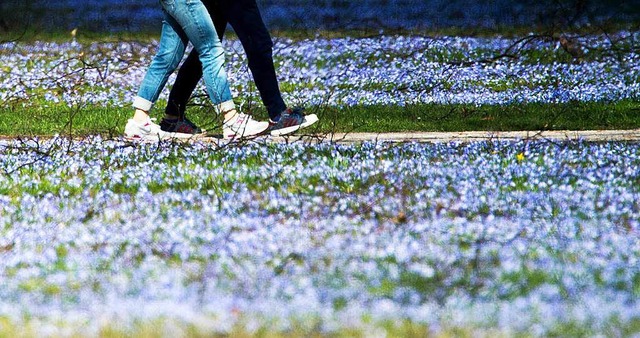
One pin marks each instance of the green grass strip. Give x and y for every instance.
(110, 121)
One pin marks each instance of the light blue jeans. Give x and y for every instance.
(184, 21)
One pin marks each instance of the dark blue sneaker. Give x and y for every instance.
(178, 125)
(289, 121)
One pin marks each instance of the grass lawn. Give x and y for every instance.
(110, 121)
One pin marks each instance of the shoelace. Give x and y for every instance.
(240, 120)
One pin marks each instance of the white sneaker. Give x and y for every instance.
(242, 125)
(148, 131)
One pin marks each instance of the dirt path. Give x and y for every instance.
(470, 136)
(433, 137)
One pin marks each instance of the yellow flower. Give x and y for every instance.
(520, 157)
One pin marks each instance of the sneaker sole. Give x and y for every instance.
(285, 131)
(308, 120)
(202, 132)
(237, 136)
(156, 138)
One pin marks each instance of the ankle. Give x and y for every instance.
(140, 115)
(227, 109)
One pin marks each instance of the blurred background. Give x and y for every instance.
(145, 15)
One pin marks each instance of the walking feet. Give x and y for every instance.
(180, 125)
(148, 131)
(291, 120)
(242, 125)
(237, 127)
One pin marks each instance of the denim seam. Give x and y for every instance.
(192, 11)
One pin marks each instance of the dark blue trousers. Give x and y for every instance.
(246, 20)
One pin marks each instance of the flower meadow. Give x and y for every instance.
(342, 72)
(528, 237)
(532, 237)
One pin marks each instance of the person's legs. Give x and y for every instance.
(191, 70)
(197, 24)
(190, 18)
(186, 82)
(245, 18)
(173, 42)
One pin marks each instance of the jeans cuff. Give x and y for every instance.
(142, 104)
